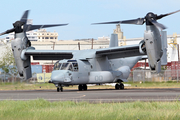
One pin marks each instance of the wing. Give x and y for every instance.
(120, 52)
(50, 54)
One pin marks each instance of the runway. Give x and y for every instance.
(95, 95)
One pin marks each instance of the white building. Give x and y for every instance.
(41, 35)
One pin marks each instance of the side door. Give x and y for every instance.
(84, 71)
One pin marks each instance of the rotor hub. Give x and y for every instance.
(18, 25)
(151, 16)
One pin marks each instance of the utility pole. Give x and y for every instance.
(79, 45)
(92, 44)
(178, 51)
(53, 48)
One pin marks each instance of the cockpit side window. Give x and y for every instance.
(70, 67)
(64, 66)
(57, 66)
(75, 66)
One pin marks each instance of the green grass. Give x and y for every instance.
(40, 86)
(44, 110)
(25, 86)
(168, 84)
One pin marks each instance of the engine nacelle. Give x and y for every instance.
(125, 71)
(152, 39)
(155, 46)
(23, 65)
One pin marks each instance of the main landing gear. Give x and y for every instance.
(82, 87)
(119, 86)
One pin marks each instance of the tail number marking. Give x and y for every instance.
(99, 78)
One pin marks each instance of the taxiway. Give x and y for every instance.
(95, 95)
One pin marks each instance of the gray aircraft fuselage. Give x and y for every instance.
(92, 71)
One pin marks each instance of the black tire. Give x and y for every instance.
(61, 89)
(121, 86)
(117, 86)
(84, 87)
(80, 87)
(57, 89)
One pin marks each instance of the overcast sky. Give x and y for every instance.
(81, 13)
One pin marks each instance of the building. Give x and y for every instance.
(32, 35)
(118, 32)
(45, 36)
(41, 35)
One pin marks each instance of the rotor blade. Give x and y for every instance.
(8, 31)
(164, 15)
(24, 17)
(138, 21)
(161, 26)
(114, 22)
(33, 27)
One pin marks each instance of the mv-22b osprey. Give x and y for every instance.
(94, 66)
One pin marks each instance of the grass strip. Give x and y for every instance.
(41, 109)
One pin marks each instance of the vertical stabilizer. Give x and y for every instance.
(114, 40)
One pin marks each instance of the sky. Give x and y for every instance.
(81, 13)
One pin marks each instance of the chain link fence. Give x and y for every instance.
(135, 76)
(8, 78)
(147, 75)
(36, 78)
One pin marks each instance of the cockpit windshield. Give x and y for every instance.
(67, 66)
(57, 65)
(71, 65)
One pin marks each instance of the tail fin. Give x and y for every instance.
(114, 40)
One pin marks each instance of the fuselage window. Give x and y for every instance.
(75, 66)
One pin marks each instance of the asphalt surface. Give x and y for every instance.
(95, 95)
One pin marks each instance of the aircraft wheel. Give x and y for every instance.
(117, 86)
(61, 89)
(80, 87)
(57, 89)
(84, 87)
(121, 86)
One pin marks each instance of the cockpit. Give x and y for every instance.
(71, 65)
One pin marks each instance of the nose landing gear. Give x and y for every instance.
(59, 88)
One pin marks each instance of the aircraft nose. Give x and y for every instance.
(57, 76)
(60, 76)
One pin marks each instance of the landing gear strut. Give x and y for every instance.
(119, 86)
(59, 88)
(82, 87)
